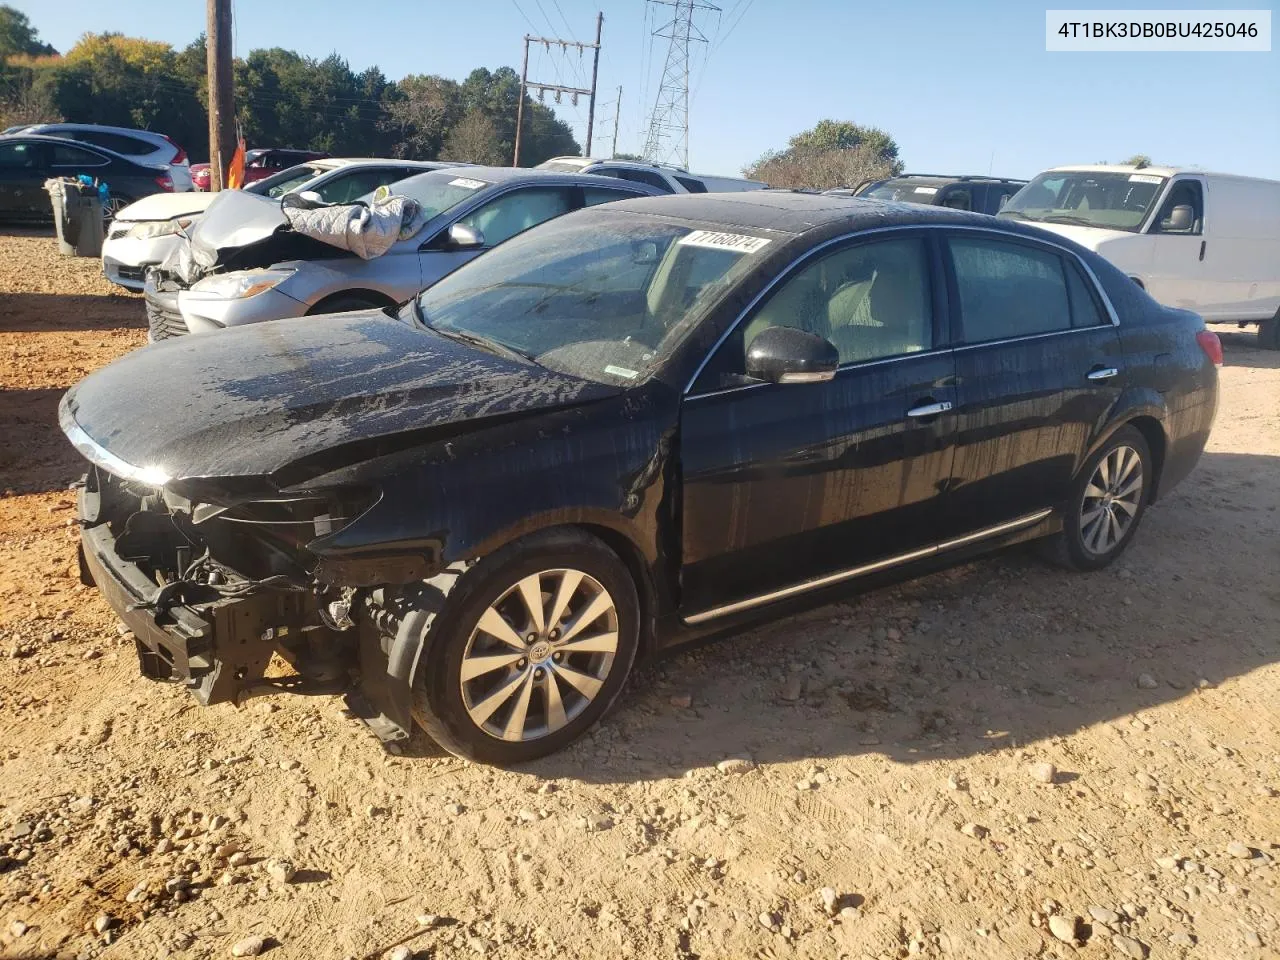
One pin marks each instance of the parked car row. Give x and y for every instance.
(145, 233)
(569, 429)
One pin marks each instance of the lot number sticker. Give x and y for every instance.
(737, 242)
(1144, 178)
(469, 184)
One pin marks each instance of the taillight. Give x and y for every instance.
(181, 156)
(165, 182)
(1211, 346)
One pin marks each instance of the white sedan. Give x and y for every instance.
(144, 233)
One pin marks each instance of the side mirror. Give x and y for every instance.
(463, 237)
(1180, 219)
(791, 355)
(311, 197)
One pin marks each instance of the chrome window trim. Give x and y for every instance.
(831, 579)
(1007, 236)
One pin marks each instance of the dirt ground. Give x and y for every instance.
(890, 807)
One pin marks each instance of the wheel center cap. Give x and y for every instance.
(539, 652)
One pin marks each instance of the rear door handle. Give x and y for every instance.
(1103, 373)
(929, 409)
(1202, 243)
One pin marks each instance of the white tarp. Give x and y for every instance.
(368, 231)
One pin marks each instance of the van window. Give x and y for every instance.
(1185, 193)
(690, 184)
(1008, 290)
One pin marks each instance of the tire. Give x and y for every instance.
(344, 302)
(114, 205)
(538, 711)
(1082, 545)
(1269, 334)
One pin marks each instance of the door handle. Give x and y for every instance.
(929, 409)
(1103, 373)
(1202, 243)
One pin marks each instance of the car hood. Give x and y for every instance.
(293, 399)
(1088, 237)
(166, 206)
(232, 220)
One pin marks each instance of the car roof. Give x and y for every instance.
(800, 213)
(127, 131)
(501, 175)
(937, 179)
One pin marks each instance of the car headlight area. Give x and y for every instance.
(242, 284)
(150, 229)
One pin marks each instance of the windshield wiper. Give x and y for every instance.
(1078, 221)
(1014, 214)
(479, 340)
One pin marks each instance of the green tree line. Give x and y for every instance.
(283, 99)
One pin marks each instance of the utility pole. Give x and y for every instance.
(556, 88)
(670, 118)
(222, 131)
(524, 77)
(617, 112)
(595, 70)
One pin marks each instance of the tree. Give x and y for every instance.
(474, 139)
(1138, 160)
(18, 37)
(627, 156)
(834, 153)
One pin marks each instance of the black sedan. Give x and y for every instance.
(624, 429)
(27, 161)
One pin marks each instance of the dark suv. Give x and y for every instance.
(978, 194)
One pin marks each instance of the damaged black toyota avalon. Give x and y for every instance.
(628, 427)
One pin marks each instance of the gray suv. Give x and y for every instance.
(975, 193)
(243, 265)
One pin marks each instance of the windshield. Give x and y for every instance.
(603, 295)
(437, 191)
(278, 184)
(906, 191)
(1115, 201)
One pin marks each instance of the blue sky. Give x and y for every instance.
(961, 87)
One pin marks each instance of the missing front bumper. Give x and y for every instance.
(218, 650)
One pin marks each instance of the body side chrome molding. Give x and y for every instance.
(1047, 241)
(839, 577)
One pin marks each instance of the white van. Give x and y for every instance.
(662, 176)
(1208, 242)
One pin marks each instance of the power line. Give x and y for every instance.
(669, 123)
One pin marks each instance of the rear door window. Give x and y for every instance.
(1008, 289)
(129, 146)
(596, 195)
(69, 155)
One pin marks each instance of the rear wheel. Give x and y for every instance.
(1269, 333)
(115, 203)
(1106, 505)
(530, 647)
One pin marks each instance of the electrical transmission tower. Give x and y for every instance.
(669, 123)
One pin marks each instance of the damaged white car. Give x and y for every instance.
(249, 261)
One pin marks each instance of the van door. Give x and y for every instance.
(1179, 275)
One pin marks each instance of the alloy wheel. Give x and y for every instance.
(1111, 500)
(539, 655)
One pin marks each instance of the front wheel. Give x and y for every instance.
(529, 648)
(1107, 503)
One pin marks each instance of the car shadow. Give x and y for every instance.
(35, 457)
(1240, 349)
(1006, 650)
(52, 313)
